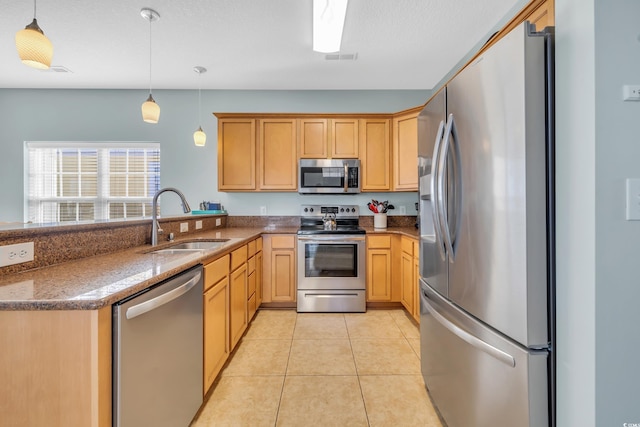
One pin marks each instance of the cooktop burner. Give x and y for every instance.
(312, 219)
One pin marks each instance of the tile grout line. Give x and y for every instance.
(364, 405)
(286, 368)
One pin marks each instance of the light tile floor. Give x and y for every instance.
(307, 369)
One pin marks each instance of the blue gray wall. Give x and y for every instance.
(114, 115)
(598, 290)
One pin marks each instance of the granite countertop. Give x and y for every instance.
(95, 282)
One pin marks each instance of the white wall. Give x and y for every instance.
(598, 250)
(114, 115)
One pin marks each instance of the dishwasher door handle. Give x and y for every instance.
(152, 304)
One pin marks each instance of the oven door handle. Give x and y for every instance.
(332, 239)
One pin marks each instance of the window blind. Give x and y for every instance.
(77, 181)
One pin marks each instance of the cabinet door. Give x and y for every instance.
(313, 138)
(278, 158)
(416, 286)
(237, 304)
(344, 143)
(216, 331)
(258, 279)
(378, 274)
(407, 282)
(236, 154)
(283, 280)
(375, 154)
(405, 152)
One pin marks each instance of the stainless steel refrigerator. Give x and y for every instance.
(485, 161)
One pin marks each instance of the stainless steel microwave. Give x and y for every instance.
(329, 176)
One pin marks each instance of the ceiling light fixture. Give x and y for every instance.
(34, 48)
(199, 137)
(328, 23)
(150, 110)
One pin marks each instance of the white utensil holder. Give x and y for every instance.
(380, 220)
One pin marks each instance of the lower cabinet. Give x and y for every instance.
(379, 268)
(279, 280)
(216, 319)
(238, 296)
(409, 276)
(416, 278)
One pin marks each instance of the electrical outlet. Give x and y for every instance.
(16, 254)
(218, 222)
(403, 210)
(631, 93)
(198, 225)
(633, 199)
(184, 227)
(263, 210)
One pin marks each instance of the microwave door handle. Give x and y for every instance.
(346, 177)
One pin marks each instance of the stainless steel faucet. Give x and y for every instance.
(155, 227)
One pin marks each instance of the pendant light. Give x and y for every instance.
(150, 110)
(34, 48)
(199, 137)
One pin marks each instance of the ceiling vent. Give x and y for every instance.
(341, 56)
(59, 69)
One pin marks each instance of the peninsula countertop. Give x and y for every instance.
(95, 282)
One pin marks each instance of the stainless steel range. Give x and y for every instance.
(331, 260)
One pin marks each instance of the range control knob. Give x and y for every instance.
(306, 209)
(341, 209)
(353, 209)
(310, 209)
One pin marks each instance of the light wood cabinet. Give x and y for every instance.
(259, 268)
(277, 154)
(236, 154)
(238, 318)
(405, 152)
(252, 280)
(216, 330)
(343, 138)
(279, 280)
(375, 154)
(543, 15)
(379, 268)
(313, 138)
(407, 275)
(55, 368)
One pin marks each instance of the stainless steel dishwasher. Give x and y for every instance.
(157, 354)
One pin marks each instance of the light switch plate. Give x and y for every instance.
(184, 227)
(198, 224)
(633, 199)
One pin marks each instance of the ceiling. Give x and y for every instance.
(244, 44)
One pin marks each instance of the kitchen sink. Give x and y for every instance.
(186, 247)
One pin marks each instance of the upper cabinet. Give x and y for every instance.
(375, 153)
(236, 154)
(543, 15)
(405, 151)
(278, 155)
(322, 138)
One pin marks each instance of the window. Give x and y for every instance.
(72, 181)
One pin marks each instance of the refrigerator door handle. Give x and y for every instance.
(435, 194)
(467, 337)
(450, 147)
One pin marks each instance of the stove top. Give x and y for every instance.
(346, 216)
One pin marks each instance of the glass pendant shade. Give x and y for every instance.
(150, 110)
(199, 137)
(34, 48)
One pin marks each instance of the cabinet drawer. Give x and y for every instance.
(407, 245)
(216, 270)
(416, 249)
(238, 257)
(379, 241)
(251, 248)
(283, 242)
(258, 244)
(251, 306)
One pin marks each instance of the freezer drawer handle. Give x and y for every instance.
(156, 302)
(309, 294)
(470, 339)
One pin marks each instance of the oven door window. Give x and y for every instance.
(318, 177)
(330, 260)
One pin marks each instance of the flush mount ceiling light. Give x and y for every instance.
(328, 22)
(150, 110)
(199, 137)
(34, 48)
